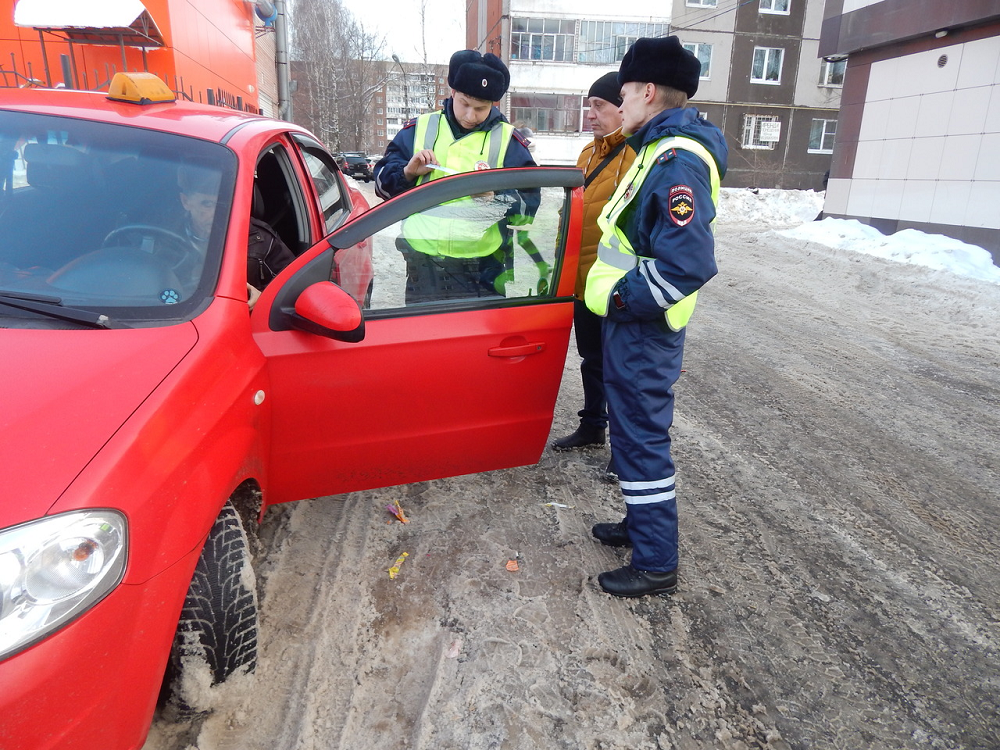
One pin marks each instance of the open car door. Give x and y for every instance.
(462, 346)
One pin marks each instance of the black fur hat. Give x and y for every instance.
(477, 75)
(661, 60)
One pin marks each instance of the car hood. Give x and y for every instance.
(65, 393)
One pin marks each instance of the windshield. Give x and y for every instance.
(114, 219)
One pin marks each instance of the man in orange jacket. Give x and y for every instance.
(604, 161)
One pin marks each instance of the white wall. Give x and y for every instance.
(850, 5)
(929, 146)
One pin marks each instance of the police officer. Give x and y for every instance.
(656, 251)
(469, 134)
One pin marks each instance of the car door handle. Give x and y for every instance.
(521, 350)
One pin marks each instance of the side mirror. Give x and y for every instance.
(327, 310)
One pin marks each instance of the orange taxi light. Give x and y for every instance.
(139, 88)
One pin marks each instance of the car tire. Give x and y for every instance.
(217, 632)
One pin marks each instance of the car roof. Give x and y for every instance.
(183, 118)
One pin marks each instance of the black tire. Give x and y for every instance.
(217, 632)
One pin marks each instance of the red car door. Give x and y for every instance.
(461, 358)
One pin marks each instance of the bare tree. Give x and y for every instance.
(340, 67)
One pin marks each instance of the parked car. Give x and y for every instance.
(358, 166)
(150, 419)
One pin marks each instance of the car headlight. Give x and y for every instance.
(54, 569)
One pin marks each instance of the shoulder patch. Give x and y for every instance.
(520, 138)
(409, 123)
(681, 205)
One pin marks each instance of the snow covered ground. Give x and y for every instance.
(836, 442)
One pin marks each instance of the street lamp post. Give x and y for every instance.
(406, 90)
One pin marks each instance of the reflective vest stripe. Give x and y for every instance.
(615, 255)
(648, 269)
(454, 236)
(433, 123)
(496, 142)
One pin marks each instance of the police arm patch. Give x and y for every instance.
(681, 205)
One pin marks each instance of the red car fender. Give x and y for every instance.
(178, 458)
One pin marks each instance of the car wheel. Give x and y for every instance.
(217, 632)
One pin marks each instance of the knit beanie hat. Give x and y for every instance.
(661, 60)
(477, 75)
(607, 88)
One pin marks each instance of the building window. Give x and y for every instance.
(761, 132)
(701, 3)
(775, 6)
(704, 54)
(542, 39)
(833, 73)
(766, 65)
(608, 41)
(378, 110)
(821, 136)
(547, 113)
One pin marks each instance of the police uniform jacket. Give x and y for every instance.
(389, 178)
(681, 244)
(596, 195)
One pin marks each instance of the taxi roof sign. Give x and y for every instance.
(139, 88)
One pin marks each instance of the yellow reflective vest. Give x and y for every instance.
(455, 229)
(615, 255)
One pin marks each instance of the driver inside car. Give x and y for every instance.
(267, 254)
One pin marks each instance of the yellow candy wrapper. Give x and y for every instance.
(394, 570)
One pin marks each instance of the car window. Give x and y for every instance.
(278, 201)
(122, 220)
(323, 172)
(491, 247)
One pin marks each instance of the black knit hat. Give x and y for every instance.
(607, 88)
(477, 75)
(661, 60)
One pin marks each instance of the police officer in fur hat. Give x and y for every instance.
(469, 134)
(655, 253)
(467, 125)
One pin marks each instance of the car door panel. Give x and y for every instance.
(434, 389)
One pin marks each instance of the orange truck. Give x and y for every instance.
(202, 49)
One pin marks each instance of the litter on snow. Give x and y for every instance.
(397, 510)
(394, 570)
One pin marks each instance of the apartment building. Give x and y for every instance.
(762, 81)
(918, 142)
(410, 89)
(764, 84)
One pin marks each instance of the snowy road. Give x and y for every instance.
(839, 493)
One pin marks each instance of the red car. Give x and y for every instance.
(149, 418)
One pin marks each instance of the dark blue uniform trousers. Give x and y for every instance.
(642, 361)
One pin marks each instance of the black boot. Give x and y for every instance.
(585, 435)
(612, 534)
(630, 582)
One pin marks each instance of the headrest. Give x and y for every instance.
(52, 165)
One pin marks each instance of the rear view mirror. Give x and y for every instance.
(327, 310)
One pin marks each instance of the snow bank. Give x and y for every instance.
(774, 208)
(906, 246)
